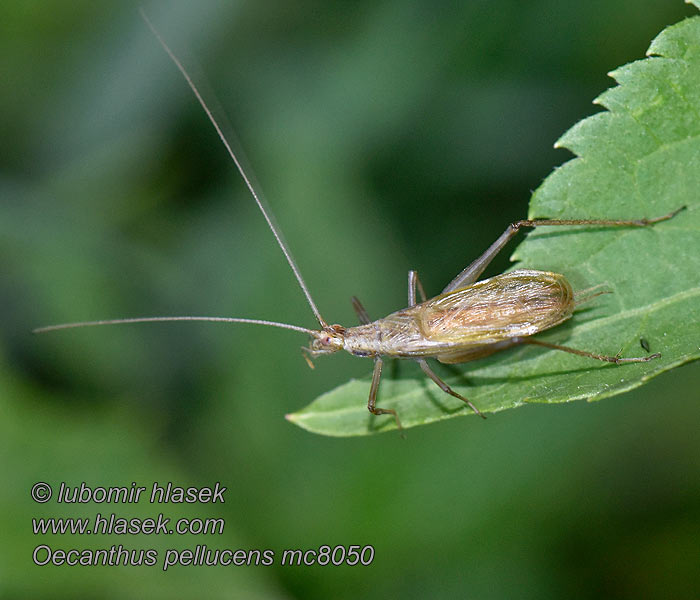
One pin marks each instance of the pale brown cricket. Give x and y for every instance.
(468, 320)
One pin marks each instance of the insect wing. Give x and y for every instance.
(518, 303)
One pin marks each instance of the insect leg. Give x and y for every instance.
(371, 403)
(413, 282)
(444, 387)
(360, 311)
(476, 268)
(612, 359)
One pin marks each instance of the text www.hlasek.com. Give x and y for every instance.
(114, 525)
(104, 523)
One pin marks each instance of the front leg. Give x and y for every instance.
(360, 310)
(372, 402)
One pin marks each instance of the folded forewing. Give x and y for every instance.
(513, 304)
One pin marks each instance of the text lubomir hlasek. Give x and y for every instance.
(132, 494)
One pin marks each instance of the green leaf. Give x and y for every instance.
(638, 158)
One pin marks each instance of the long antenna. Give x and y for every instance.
(165, 319)
(285, 250)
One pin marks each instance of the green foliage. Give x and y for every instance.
(638, 158)
(119, 201)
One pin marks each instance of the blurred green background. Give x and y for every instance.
(386, 135)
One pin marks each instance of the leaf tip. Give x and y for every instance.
(297, 418)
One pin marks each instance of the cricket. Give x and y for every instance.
(468, 320)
